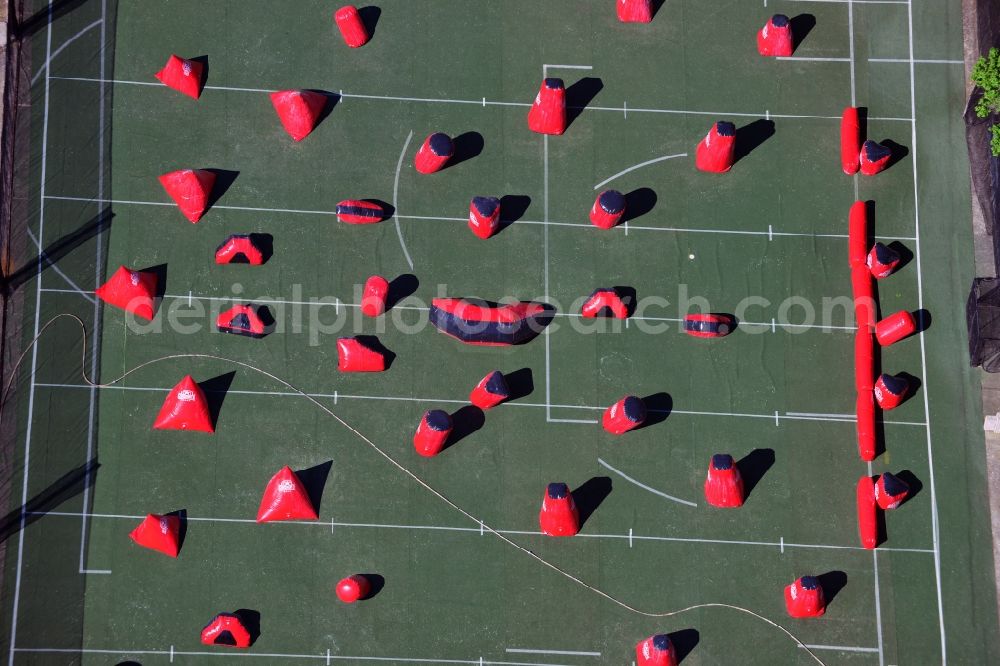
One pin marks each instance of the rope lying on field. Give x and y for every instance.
(391, 460)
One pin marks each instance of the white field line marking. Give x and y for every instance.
(644, 487)
(537, 405)
(839, 648)
(328, 657)
(478, 102)
(475, 530)
(805, 59)
(935, 527)
(546, 67)
(878, 597)
(545, 263)
(777, 419)
(96, 328)
(337, 303)
(850, 33)
(34, 351)
(919, 61)
(782, 545)
(630, 537)
(171, 654)
(639, 166)
(395, 198)
(278, 655)
(75, 287)
(45, 65)
(575, 653)
(298, 211)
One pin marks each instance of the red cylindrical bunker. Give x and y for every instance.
(723, 484)
(548, 112)
(775, 38)
(716, 153)
(895, 327)
(656, 650)
(804, 598)
(484, 216)
(608, 209)
(432, 433)
(559, 516)
(865, 406)
(867, 516)
(373, 299)
(434, 154)
(850, 140)
(352, 28)
(627, 414)
(635, 11)
(864, 297)
(864, 360)
(857, 234)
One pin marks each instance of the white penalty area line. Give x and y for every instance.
(639, 166)
(643, 485)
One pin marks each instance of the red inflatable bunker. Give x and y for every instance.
(864, 297)
(608, 209)
(775, 38)
(484, 216)
(433, 432)
(352, 28)
(724, 485)
(185, 408)
(656, 650)
(353, 588)
(895, 327)
(559, 516)
(132, 291)
(717, 151)
(184, 76)
(804, 598)
(434, 153)
(882, 261)
(891, 390)
(159, 533)
(285, 498)
(548, 112)
(191, 190)
(890, 491)
(353, 355)
(708, 325)
(228, 630)
(358, 211)
(627, 414)
(850, 140)
(242, 320)
(857, 234)
(864, 360)
(375, 296)
(865, 411)
(239, 249)
(490, 391)
(635, 11)
(484, 323)
(867, 513)
(605, 302)
(874, 158)
(298, 110)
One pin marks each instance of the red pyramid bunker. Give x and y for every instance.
(242, 320)
(159, 533)
(299, 111)
(185, 408)
(184, 76)
(191, 190)
(239, 249)
(132, 291)
(285, 498)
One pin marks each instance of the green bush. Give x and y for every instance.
(986, 75)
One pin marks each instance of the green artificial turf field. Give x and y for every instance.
(766, 242)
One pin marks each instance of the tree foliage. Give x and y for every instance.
(986, 75)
